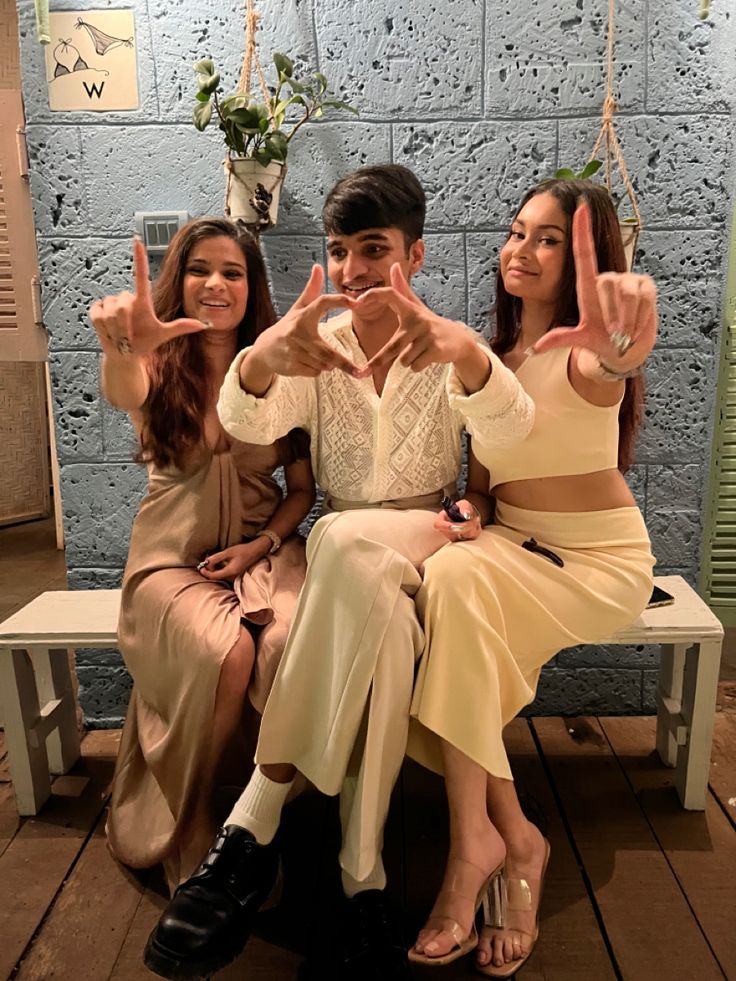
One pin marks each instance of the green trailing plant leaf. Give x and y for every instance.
(231, 102)
(283, 64)
(334, 104)
(202, 114)
(567, 174)
(205, 67)
(209, 83)
(592, 167)
(296, 86)
(244, 118)
(259, 129)
(277, 146)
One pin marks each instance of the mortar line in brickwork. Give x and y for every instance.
(518, 117)
(465, 271)
(484, 10)
(557, 144)
(153, 62)
(317, 233)
(646, 53)
(391, 143)
(315, 34)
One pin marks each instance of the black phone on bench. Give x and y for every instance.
(660, 597)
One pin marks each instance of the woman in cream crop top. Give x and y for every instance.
(587, 392)
(591, 431)
(566, 561)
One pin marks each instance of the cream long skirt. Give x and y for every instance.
(339, 705)
(495, 613)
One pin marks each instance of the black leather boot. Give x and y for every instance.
(210, 916)
(372, 945)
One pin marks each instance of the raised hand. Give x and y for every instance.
(422, 337)
(127, 324)
(618, 311)
(294, 346)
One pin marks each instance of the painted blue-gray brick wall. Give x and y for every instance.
(480, 98)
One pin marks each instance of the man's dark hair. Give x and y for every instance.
(381, 196)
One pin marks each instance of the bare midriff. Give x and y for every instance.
(598, 491)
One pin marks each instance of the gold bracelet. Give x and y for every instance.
(274, 538)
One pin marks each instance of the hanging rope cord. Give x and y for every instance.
(251, 53)
(250, 59)
(607, 130)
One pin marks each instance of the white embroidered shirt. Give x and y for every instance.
(365, 447)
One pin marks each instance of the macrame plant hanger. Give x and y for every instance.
(251, 59)
(613, 147)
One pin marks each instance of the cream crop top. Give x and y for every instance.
(569, 435)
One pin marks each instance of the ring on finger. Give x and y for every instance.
(621, 342)
(459, 534)
(124, 346)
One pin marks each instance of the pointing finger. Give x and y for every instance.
(141, 275)
(389, 351)
(312, 290)
(388, 295)
(586, 264)
(326, 302)
(609, 298)
(401, 284)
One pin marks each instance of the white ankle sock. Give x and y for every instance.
(376, 880)
(258, 809)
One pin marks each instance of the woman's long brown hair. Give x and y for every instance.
(610, 255)
(174, 412)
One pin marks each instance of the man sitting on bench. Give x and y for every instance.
(386, 446)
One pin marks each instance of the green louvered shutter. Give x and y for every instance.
(718, 577)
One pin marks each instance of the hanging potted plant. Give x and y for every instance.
(629, 227)
(258, 133)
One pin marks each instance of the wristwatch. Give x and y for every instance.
(274, 538)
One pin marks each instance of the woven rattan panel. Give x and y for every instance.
(9, 52)
(24, 488)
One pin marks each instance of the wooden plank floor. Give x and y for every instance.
(637, 888)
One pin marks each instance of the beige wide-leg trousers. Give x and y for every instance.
(339, 707)
(494, 613)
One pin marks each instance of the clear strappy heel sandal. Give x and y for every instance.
(446, 923)
(504, 896)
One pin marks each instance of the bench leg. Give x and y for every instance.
(699, 692)
(29, 764)
(54, 681)
(669, 700)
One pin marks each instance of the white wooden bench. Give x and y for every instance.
(36, 688)
(40, 713)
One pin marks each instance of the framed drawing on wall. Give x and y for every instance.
(91, 63)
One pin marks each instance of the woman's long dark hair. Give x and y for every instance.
(610, 255)
(174, 412)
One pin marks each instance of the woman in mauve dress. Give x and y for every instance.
(214, 566)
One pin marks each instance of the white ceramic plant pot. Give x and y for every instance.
(253, 191)
(629, 236)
